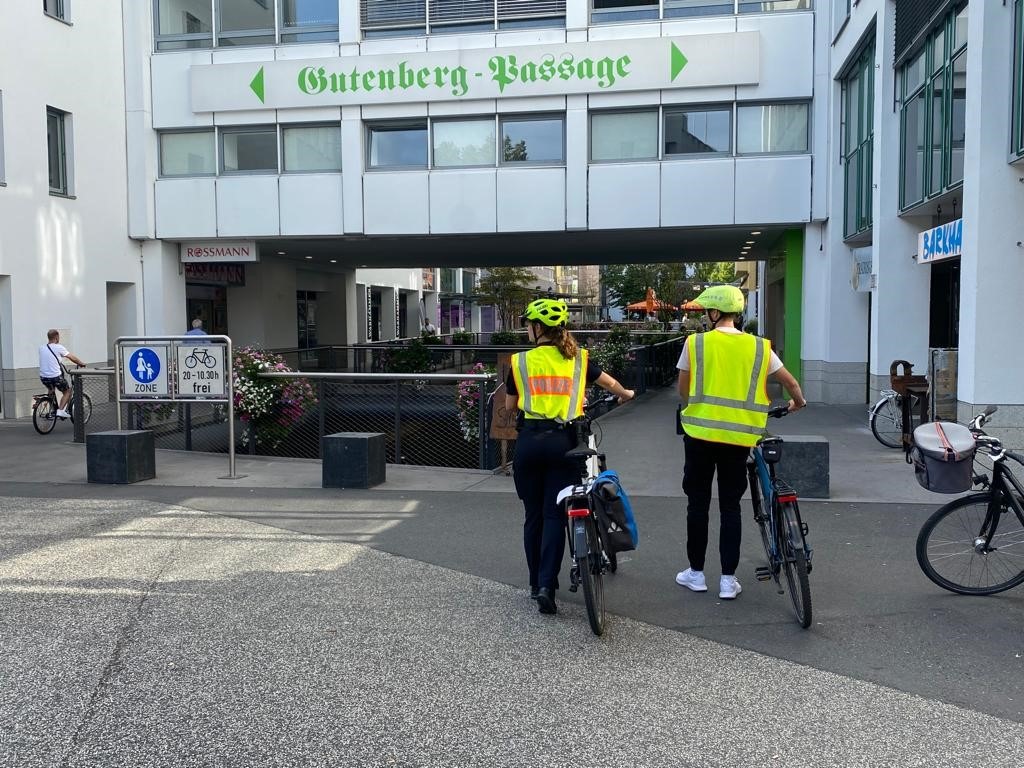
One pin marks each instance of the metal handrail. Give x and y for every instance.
(380, 376)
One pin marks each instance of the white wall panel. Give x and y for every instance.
(787, 56)
(624, 195)
(247, 206)
(631, 99)
(531, 199)
(532, 104)
(463, 201)
(698, 26)
(390, 111)
(460, 42)
(577, 144)
(773, 190)
(396, 203)
(311, 204)
(536, 36)
(186, 208)
(172, 89)
(306, 51)
(393, 45)
(310, 115)
(471, 107)
(697, 192)
(624, 31)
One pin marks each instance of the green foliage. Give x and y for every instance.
(674, 282)
(507, 338)
(412, 358)
(751, 326)
(431, 340)
(462, 338)
(509, 289)
(514, 152)
(612, 353)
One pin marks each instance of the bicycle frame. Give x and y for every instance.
(1004, 487)
(771, 492)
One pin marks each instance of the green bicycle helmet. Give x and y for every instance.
(551, 312)
(725, 298)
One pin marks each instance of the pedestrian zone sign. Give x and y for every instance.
(144, 370)
(200, 370)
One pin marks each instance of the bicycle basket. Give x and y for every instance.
(943, 456)
(614, 520)
(771, 451)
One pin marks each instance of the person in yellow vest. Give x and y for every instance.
(547, 385)
(722, 376)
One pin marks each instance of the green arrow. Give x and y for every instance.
(257, 84)
(678, 62)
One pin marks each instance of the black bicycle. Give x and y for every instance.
(588, 550)
(974, 545)
(783, 532)
(44, 411)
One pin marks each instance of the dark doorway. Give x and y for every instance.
(944, 320)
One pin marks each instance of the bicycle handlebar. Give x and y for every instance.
(603, 400)
(982, 418)
(778, 411)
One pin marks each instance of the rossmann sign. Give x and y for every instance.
(218, 251)
(608, 66)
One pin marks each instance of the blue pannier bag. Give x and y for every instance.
(614, 512)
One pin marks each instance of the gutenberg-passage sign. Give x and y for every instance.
(201, 370)
(690, 61)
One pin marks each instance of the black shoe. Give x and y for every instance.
(533, 592)
(546, 600)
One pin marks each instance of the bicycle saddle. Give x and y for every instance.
(580, 453)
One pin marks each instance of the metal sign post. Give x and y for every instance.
(178, 369)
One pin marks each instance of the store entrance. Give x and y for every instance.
(944, 320)
(208, 303)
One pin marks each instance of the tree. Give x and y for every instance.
(513, 152)
(674, 282)
(509, 289)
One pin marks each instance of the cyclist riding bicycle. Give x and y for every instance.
(51, 370)
(722, 375)
(547, 384)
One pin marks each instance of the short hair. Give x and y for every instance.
(197, 323)
(52, 334)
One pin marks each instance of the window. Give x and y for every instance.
(306, 21)
(700, 130)
(311, 148)
(189, 23)
(382, 18)
(3, 178)
(187, 153)
(57, 124)
(183, 24)
(858, 140)
(766, 6)
(624, 136)
(533, 139)
(245, 22)
(1017, 134)
(398, 145)
(55, 8)
(932, 116)
(624, 10)
(677, 8)
(771, 128)
(639, 10)
(464, 142)
(840, 14)
(248, 150)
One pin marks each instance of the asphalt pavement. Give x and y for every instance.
(193, 620)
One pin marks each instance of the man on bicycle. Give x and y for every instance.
(722, 376)
(51, 369)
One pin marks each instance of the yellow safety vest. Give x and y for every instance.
(728, 400)
(550, 387)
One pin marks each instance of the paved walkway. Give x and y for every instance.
(192, 621)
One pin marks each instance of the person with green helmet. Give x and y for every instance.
(547, 386)
(722, 378)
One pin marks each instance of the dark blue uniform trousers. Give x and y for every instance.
(541, 470)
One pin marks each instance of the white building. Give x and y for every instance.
(335, 151)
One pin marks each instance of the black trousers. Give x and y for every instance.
(703, 459)
(541, 470)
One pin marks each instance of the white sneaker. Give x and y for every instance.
(728, 587)
(63, 414)
(692, 580)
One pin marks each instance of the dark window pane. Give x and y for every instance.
(184, 17)
(851, 194)
(56, 151)
(698, 131)
(398, 146)
(534, 141)
(913, 151)
(958, 119)
(679, 8)
(296, 14)
(243, 15)
(938, 131)
(249, 151)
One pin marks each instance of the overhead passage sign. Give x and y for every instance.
(690, 61)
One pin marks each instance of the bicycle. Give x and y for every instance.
(588, 550)
(886, 417)
(974, 545)
(44, 411)
(783, 532)
(198, 356)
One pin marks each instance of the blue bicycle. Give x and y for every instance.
(777, 514)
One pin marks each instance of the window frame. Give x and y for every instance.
(396, 124)
(3, 170)
(655, 10)
(235, 130)
(807, 150)
(176, 132)
(62, 11)
(658, 133)
(860, 158)
(283, 159)
(668, 109)
(546, 14)
(282, 35)
(1017, 104)
(492, 118)
(524, 117)
(65, 189)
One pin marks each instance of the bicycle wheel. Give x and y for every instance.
(762, 523)
(795, 562)
(191, 361)
(952, 553)
(86, 409)
(44, 418)
(887, 421)
(590, 576)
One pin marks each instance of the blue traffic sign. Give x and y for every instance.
(144, 365)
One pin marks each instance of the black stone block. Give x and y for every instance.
(353, 459)
(120, 456)
(805, 465)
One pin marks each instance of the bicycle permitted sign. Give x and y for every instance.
(200, 370)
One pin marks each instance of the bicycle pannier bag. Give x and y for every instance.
(943, 456)
(614, 513)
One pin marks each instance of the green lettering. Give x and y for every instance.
(528, 73)
(460, 81)
(566, 66)
(585, 69)
(423, 77)
(386, 79)
(312, 81)
(546, 70)
(503, 71)
(368, 78)
(605, 73)
(406, 77)
(353, 80)
(620, 66)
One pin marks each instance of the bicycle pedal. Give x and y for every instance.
(764, 573)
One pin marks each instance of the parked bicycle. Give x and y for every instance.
(44, 411)
(783, 532)
(886, 417)
(974, 545)
(588, 551)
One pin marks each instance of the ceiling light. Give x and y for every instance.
(758, 232)
(742, 258)
(281, 253)
(750, 242)
(308, 258)
(334, 261)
